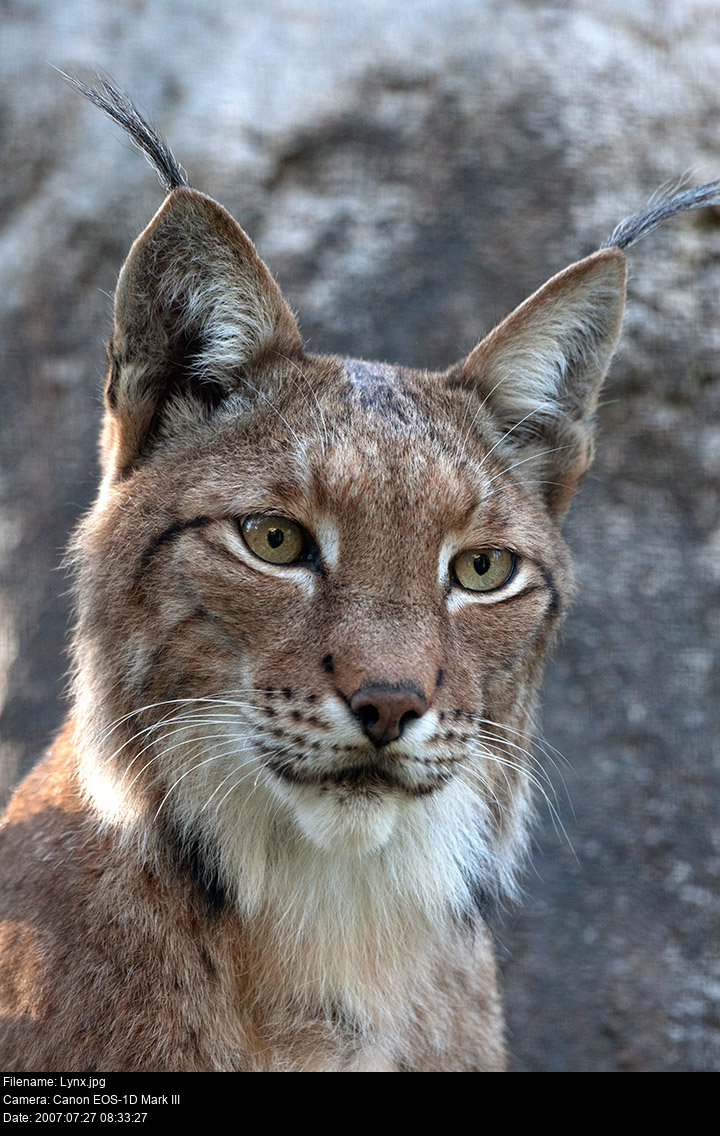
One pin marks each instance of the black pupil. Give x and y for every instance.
(275, 537)
(481, 564)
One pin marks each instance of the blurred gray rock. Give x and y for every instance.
(410, 173)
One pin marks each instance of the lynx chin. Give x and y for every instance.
(313, 600)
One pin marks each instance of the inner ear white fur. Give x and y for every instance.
(194, 307)
(539, 372)
(553, 351)
(194, 274)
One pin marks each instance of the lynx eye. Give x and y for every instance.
(484, 569)
(278, 540)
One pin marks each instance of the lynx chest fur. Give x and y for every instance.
(314, 597)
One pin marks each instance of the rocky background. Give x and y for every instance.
(411, 171)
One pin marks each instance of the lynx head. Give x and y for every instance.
(315, 594)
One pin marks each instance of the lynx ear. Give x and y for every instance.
(539, 372)
(194, 307)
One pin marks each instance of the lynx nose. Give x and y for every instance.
(384, 711)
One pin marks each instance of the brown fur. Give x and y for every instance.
(216, 867)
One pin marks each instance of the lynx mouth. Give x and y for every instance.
(367, 779)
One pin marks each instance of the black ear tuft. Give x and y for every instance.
(120, 107)
(661, 206)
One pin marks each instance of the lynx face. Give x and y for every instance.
(332, 606)
(315, 594)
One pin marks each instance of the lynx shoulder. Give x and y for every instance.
(313, 600)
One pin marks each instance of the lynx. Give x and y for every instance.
(313, 600)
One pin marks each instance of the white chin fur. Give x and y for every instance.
(336, 823)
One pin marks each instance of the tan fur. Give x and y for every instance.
(215, 868)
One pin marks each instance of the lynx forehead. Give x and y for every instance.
(314, 597)
(378, 388)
